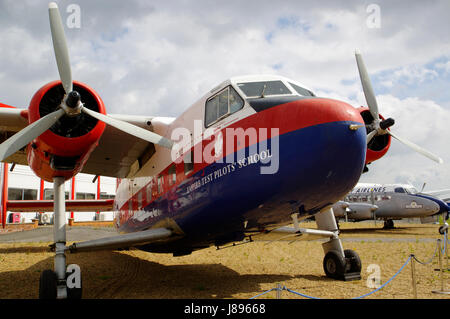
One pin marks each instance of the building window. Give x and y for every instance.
(85, 196)
(22, 194)
(48, 194)
(106, 196)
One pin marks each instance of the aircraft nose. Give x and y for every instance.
(432, 208)
(323, 145)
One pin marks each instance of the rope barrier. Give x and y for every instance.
(360, 297)
(383, 285)
(438, 246)
(431, 259)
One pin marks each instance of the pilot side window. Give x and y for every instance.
(221, 105)
(301, 91)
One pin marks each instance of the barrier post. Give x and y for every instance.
(413, 277)
(442, 291)
(278, 291)
(446, 248)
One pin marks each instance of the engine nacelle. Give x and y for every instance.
(379, 145)
(361, 211)
(63, 149)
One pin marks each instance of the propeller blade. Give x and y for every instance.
(131, 129)
(417, 148)
(367, 86)
(371, 135)
(29, 133)
(60, 47)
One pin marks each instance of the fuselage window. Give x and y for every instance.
(262, 89)
(221, 105)
(172, 175)
(301, 91)
(188, 163)
(160, 184)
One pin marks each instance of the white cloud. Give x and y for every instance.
(424, 123)
(157, 58)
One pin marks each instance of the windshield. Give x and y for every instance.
(262, 89)
(411, 190)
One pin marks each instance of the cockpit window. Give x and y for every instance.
(262, 89)
(399, 190)
(301, 91)
(221, 105)
(411, 190)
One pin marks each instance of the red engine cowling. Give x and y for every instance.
(379, 145)
(63, 149)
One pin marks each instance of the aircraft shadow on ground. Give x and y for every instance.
(120, 275)
(24, 249)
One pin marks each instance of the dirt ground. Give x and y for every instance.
(242, 271)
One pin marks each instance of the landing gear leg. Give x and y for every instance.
(59, 235)
(53, 284)
(338, 263)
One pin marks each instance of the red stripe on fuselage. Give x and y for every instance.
(287, 117)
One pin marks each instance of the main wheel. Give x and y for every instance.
(443, 229)
(388, 224)
(47, 285)
(334, 264)
(353, 259)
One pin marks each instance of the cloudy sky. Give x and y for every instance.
(159, 57)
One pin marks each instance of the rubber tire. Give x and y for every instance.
(334, 265)
(442, 230)
(354, 260)
(389, 224)
(47, 285)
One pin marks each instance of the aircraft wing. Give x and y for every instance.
(441, 193)
(117, 153)
(124, 241)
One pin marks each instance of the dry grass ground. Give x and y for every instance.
(239, 272)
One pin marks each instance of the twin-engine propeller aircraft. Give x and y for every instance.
(389, 202)
(254, 154)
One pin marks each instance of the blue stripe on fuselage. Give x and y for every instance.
(318, 165)
(443, 206)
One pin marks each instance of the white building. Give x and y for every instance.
(24, 185)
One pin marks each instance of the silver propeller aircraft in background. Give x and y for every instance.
(390, 202)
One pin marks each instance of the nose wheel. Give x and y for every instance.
(338, 263)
